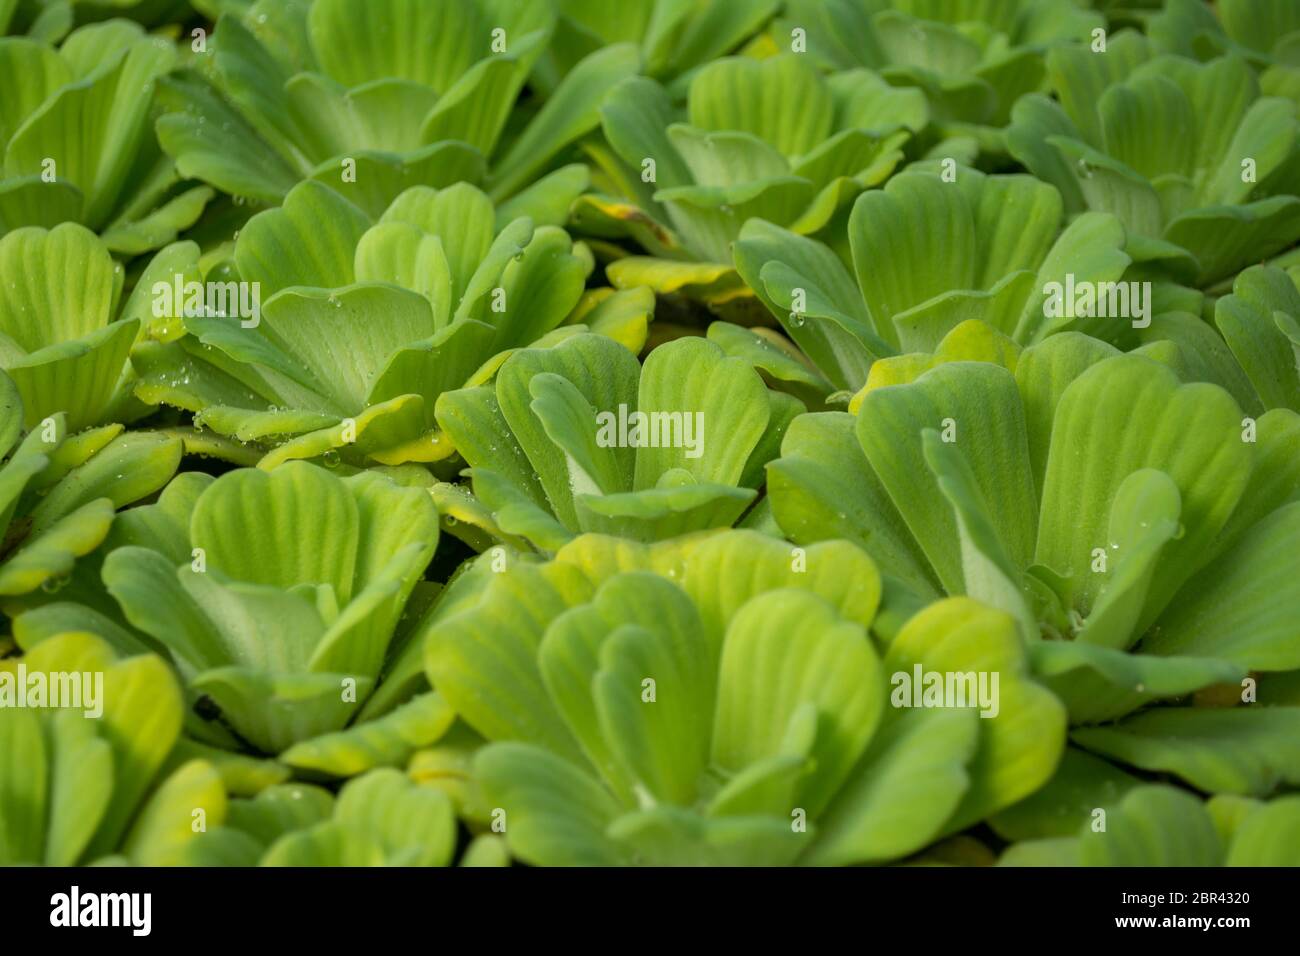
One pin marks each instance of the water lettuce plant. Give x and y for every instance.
(579, 438)
(924, 254)
(973, 59)
(768, 138)
(654, 432)
(674, 39)
(369, 322)
(593, 675)
(379, 819)
(277, 594)
(1126, 570)
(59, 492)
(348, 92)
(1218, 191)
(77, 142)
(76, 788)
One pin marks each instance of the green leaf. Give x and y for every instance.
(569, 113)
(975, 404)
(670, 836)
(52, 554)
(309, 240)
(1019, 745)
(555, 814)
(1081, 785)
(723, 573)
(1225, 239)
(1101, 683)
(823, 487)
(1153, 826)
(483, 660)
(1249, 750)
(165, 826)
(784, 650)
(903, 790)
(356, 42)
(81, 786)
(240, 162)
(295, 525)
(134, 465)
(692, 377)
(1246, 320)
(142, 719)
(413, 825)
(1043, 373)
(782, 100)
(603, 372)
(93, 129)
(833, 326)
(1143, 520)
(23, 787)
(1269, 836)
(1242, 607)
(655, 738)
(989, 573)
(1190, 432)
(386, 742)
(36, 312)
(326, 844)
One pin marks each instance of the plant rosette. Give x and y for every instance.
(580, 437)
(358, 333)
(277, 594)
(349, 93)
(718, 700)
(77, 139)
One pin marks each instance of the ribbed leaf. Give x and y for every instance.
(1018, 747)
(823, 487)
(359, 40)
(1190, 432)
(483, 660)
(1247, 750)
(692, 377)
(166, 824)
(414, 825)
(784, 650)
(1153, 826)
(724, 572)
(1101, 683)
(309, 240)
(555, 814)
(1243, 607)
(904, 788)
(987, 423)
(296, 525)
(386, 742)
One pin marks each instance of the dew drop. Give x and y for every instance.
(56, 583)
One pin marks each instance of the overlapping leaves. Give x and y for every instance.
(579, 438)
(77, 139)
(595, 675)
